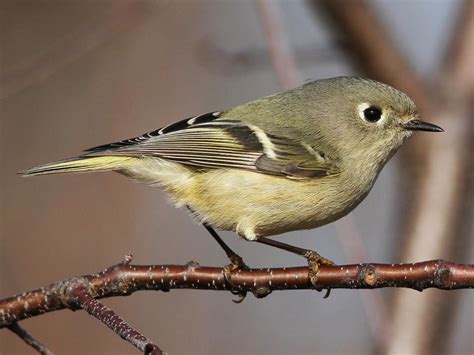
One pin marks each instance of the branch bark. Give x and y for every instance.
(124, 279)
(83, 299)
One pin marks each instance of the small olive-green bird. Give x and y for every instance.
(295, 160)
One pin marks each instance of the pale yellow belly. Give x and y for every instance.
(254, 204)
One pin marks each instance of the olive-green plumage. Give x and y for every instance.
(294, 160)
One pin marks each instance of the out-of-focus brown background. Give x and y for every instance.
(75, 74)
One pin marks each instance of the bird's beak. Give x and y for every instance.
(419, 125)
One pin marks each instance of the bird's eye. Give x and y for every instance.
(372, 114)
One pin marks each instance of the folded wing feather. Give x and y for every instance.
(207, 141)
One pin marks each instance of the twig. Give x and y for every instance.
(28, 339)
(84, 300)
(124, 279)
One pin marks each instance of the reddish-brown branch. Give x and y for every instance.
(82, 298)
(124, 279)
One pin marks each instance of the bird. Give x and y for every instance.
(294, 160)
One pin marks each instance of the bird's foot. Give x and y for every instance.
(315, 261)
(236, 264)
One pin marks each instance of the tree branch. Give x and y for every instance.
(124, 279)
(82, 298)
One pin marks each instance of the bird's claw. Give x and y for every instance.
(236, 264)
(315, 261)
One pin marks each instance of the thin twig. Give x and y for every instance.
(84, 300)
(28, 339)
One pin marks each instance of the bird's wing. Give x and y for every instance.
(209, 142)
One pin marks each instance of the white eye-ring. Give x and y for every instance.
(371, 113)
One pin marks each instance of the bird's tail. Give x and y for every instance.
(81, 165)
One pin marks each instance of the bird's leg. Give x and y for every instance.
(236, 262)
(314, 259)
(235, 259)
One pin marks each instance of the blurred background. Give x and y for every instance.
(76, 74)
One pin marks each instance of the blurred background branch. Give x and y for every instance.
(370, 46)
(120, 17)
(28, 339)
